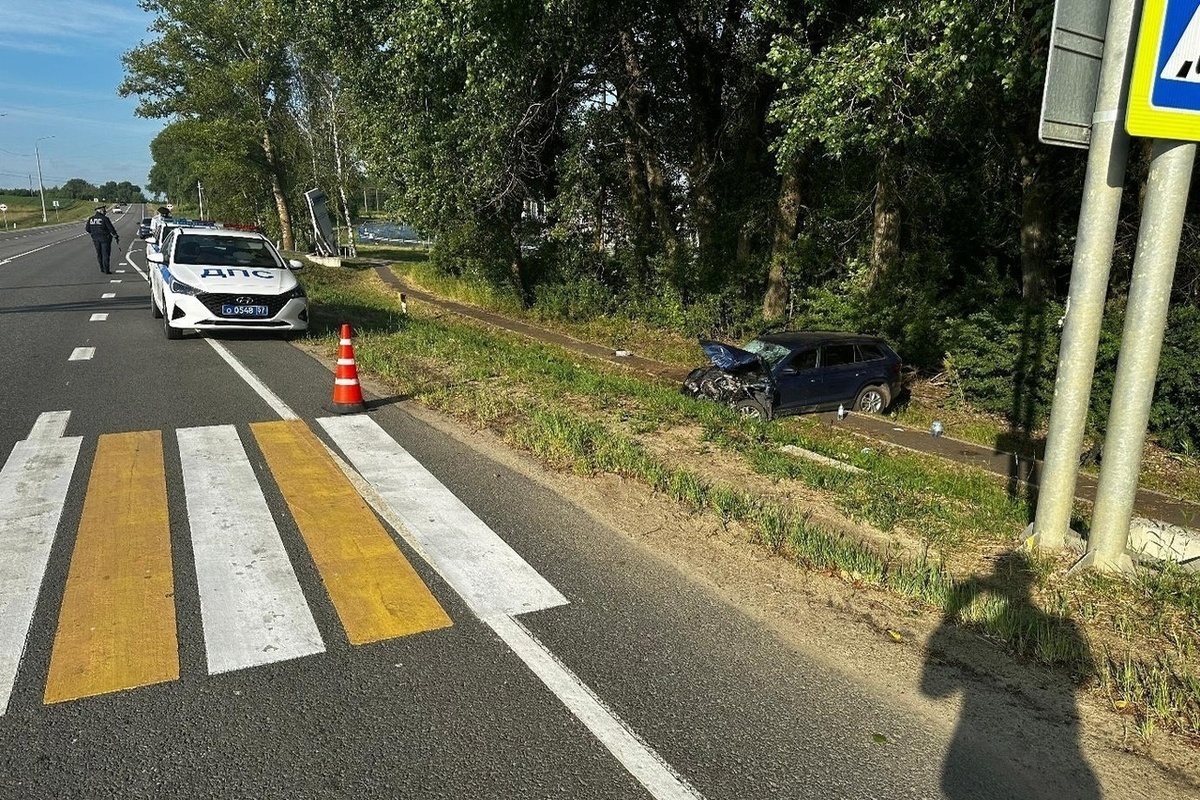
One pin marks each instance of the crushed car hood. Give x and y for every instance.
(730, 358)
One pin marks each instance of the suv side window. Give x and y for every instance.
(834, 355)
(167, 241)
(805, 359)
(869, 352)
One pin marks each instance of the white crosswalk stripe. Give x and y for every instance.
(477, 563)
(251, 603)
(33, 491)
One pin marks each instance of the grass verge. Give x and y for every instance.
(1136, 642)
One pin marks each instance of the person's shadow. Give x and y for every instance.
(1012, 741)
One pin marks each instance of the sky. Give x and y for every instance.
(60, 65)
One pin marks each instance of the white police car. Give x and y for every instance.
(207, 278)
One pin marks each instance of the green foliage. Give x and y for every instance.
(1175, 415)
(1004, 359)
(1175, 409)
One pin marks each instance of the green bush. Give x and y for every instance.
(1175, 415)
(1004, 358)
(1175, 411)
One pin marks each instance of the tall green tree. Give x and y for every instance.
(222, 60)
(462, 106)
(896, 79)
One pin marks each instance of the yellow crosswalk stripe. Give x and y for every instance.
(376, 592)
(116, 629)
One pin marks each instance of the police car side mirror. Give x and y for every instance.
(295, 265)
(154, 255)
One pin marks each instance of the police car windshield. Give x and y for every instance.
(224, 251)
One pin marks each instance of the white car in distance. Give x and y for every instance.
(215, 279)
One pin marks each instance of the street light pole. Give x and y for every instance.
(41, 187)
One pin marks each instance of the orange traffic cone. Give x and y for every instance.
(347, 394)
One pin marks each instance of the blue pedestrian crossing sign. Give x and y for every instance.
(1164, 91)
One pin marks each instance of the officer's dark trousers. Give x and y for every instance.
(103, 245)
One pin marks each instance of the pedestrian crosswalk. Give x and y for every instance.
(116, 626)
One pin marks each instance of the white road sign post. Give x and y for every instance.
(1164, 103)
(4, 210)
(1103, 184)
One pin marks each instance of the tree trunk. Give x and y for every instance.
(1035, 238)
(639, 203)
(339, 166)
(281, 201)
(1034, 160)
(707, 46)
(885, 238)
(598, 232)
(786, 223)
(649, 195)
(660, 203)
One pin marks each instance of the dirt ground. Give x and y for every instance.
(878, 641)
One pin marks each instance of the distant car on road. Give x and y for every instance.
(206, 278)
(144, 231)
(793, 373)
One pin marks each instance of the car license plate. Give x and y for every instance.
(245, 311)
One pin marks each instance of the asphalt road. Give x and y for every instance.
(569, 663)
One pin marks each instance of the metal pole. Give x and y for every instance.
(1095, 239)
(41, 186)
(1141, 344)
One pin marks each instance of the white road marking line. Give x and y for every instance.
(638, 758)
(253, 609)
(491, 577)
(82, 354)
(50, 425)
(139, 270)
(39, 249)
(108, 295)
(120, 272)
(98, 318)
(33, 490)
(477, 563)
(281, 408)
(115, 280)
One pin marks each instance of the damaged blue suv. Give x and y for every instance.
(794, 373)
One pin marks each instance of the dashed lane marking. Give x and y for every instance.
(82, 354)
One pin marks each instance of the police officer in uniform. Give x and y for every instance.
(102, 231)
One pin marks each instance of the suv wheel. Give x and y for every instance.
(751, 409)
(873, 400)
(154, 309)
